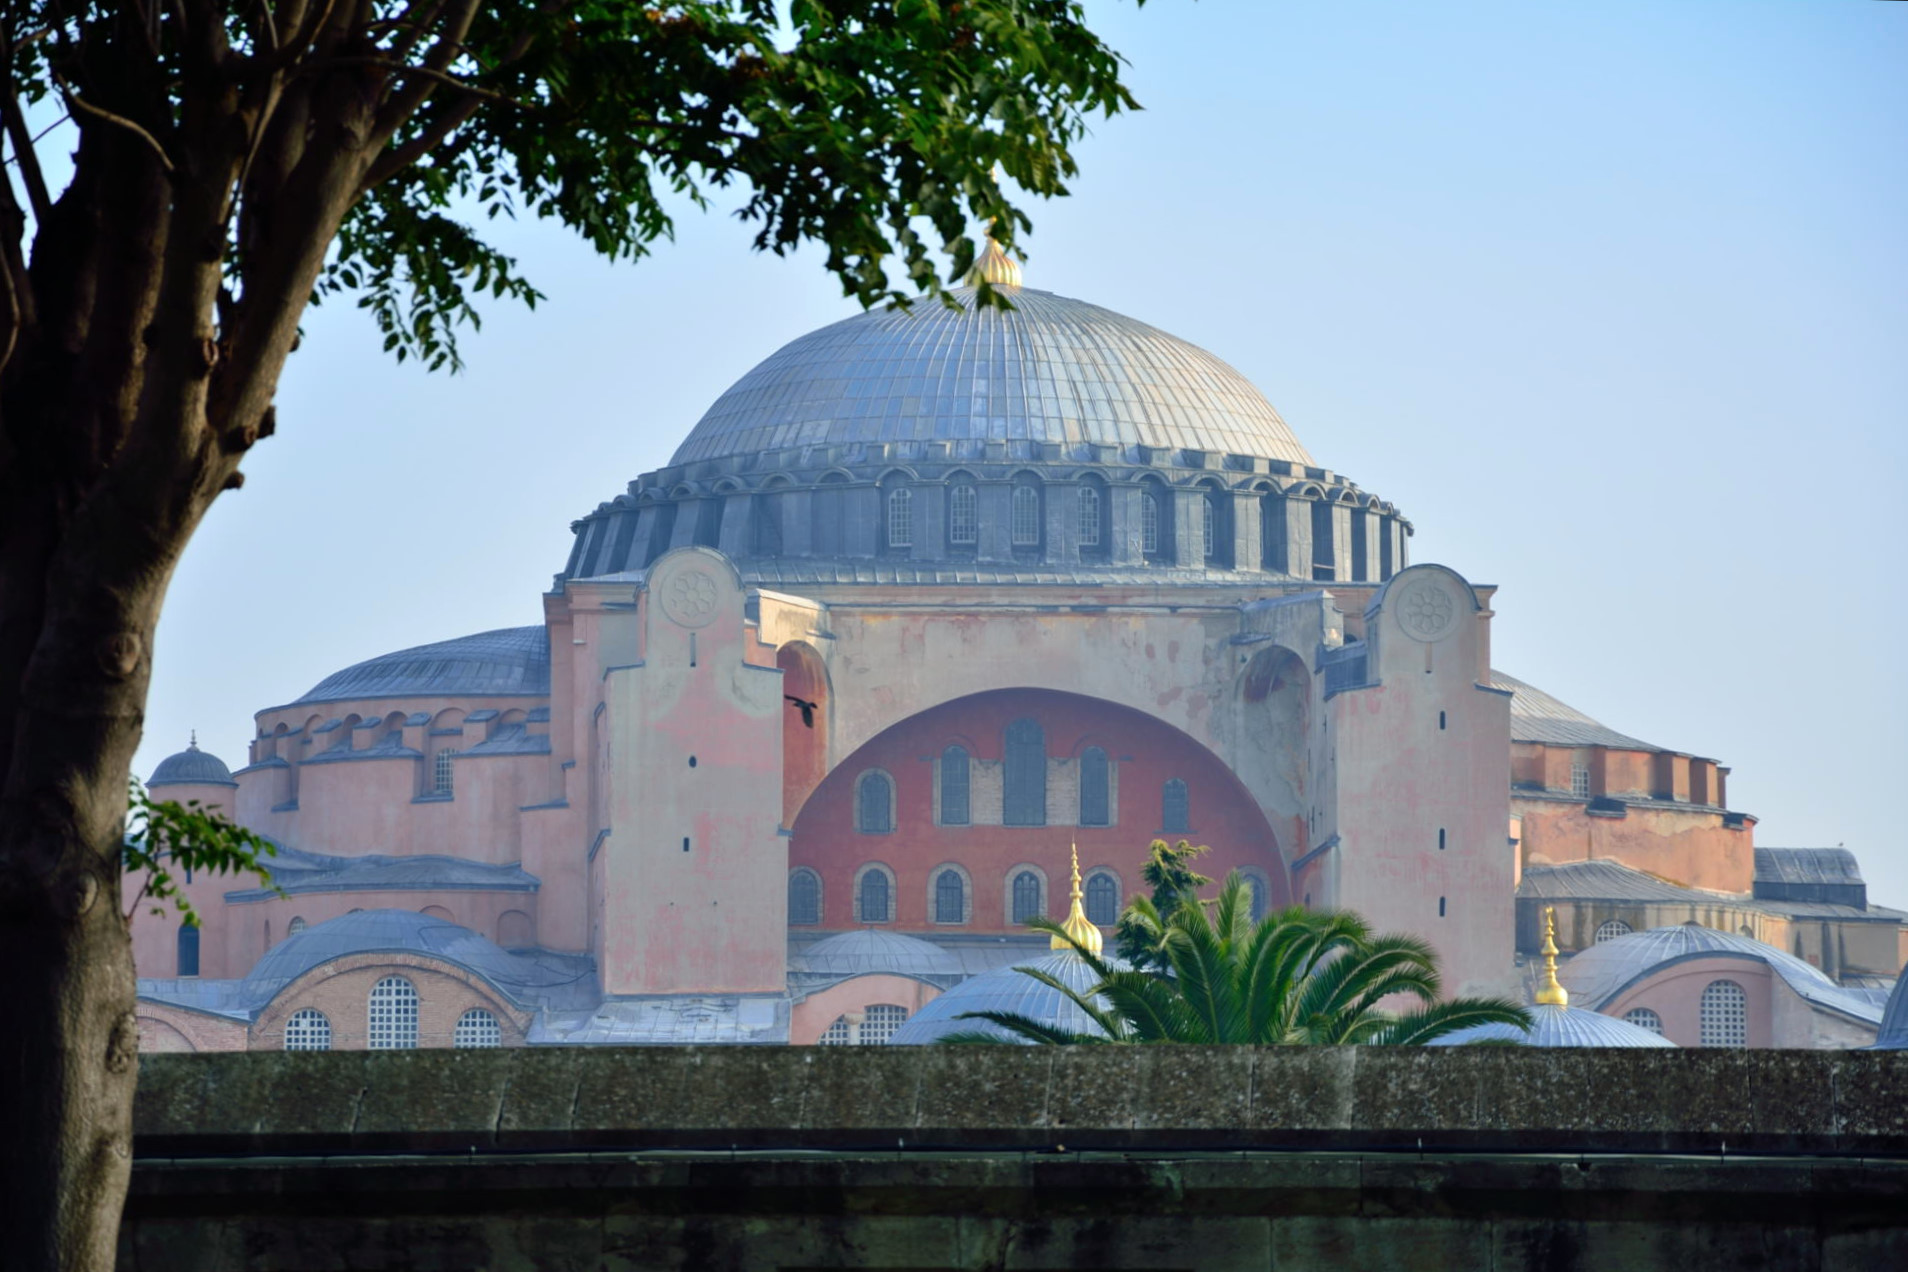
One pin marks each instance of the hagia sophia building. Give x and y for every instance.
(818, 714)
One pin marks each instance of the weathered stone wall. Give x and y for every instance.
(1021, 1158)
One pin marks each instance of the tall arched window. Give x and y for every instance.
(1175, 808)
(900, 517)
(1644, 1018)
(1149, 523)
(188, 950)
(874, 803)
(874, 897)
(1095, 805)
(1024, 784)
(1026, 516)
(963, 513)
(950, 897)
(1102, 899)
(1027, 898)
(477, 1028)
(443, 779)
(804, 896)
(393, 1015)
(1255, 897)
(1089, 515)
(954, 786)
(308, 1030)
(1723, 1015)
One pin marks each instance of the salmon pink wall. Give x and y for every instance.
(810, 1018)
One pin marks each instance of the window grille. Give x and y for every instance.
(874, 808)
(901, 518)
(308, 1030)
(443, 782)
(1089, 516)
(954, 786)
(1580, 781)
(477, 1028)
(804, 897)
(1723, 1015)
(1255, 897)
(296, 926)
(1102, 900)
(950, 897)
(836, 1035)
(1094, 802)
(1149, 523)
(1024, 784)
(875, 897)
(188, 950)
(1175, 806)
(1611, 931)
(1026, 516)
(879, 1023)
(1208, 528)
(1644, 1018)
(963, 514)
(1027, 900)
(393, 1015)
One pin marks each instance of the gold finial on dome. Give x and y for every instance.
(1078, 926)
(1550, 993)
(994, 266)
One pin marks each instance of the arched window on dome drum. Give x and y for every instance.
(1027, 899)
(1095, 806)
(1102, 899)
(1324, 550)
(1611, 931)
(950, 897)
(308, 1030)
(765, 525)
(1644, 1018)
(1272, 535)
(874, 898)
(709, 521)
(477, 1028)
(1026, 517)
(1723, 1015)
(1089, 515)
(1024, 783)
(963, 514)
(393, 1015)
(661, 530)
(1384, 547)
(874, 804)
(954, 786)
(804, 896)
(826, 505)
(900, 517)
(188, 950)
(1175, 812)
(1149, 524)
(1360, 545)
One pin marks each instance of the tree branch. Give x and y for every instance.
(435, 76)
(74, 103)
(30, 175)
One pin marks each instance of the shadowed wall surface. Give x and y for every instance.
(1020, 1158)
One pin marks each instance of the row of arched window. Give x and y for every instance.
(951, 895)
(391, 1023)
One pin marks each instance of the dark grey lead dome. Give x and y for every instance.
(1051, 370)
(509, 661)
(191, 767)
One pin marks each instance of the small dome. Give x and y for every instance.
(1893, 1035)
(402, 932)
(872, 951)
(1004, 988)
(1561, 1027)
(509, 661)
(191, 767)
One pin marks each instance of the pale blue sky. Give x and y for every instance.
(1611, 299)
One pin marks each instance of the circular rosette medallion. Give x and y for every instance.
(1426, 610)
(689, 597)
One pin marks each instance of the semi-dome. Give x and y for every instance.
(1005, 988)
(1553, 1026)
(191, 767)
(872, 951)
(522, 978)
(511, 661)
(1050, 370)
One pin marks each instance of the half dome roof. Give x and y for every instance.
(1553, 1026)
(508, 661)
(1005, 988)
(1051, 370)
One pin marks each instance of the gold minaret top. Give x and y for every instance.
(1550, 993)
(1077, 925)
(994, 266)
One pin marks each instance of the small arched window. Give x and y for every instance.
(950, 897)
(1255, 897)
(1723, 1015)
(1027, 899)
(188, 950)
(1644, 1018)
(1089, 516)
(874, 897)
(900, 517)
(954, 786)
(1175, 806)
(963, 513)
(477, 1028)
(1612, 930)
(874, 804)
(1026, 516)
(1102, 899)
(443, 780)
(296, 926)
(393, 1015)
(804, 896)
(1149, 523)
(1095, 805)
(1024, 784)
(308, 1030)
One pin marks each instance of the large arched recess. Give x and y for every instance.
(1146, 752)
(805, 720)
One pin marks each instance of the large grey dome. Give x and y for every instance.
(1051, 370)
(510, 661)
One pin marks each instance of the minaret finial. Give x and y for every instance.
(1078, 926)
(193, 745)
(994, 266)
(1550, 993)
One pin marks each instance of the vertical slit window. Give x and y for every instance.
(1094, 803)
(1208, 528)
(443, 779)
(954, 786)
(1149, 523)
(188, 950)
(1024, 784)
(1089, 516)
